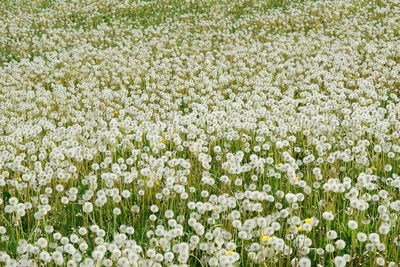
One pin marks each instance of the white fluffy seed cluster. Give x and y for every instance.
(212, 133)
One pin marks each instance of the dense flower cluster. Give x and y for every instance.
(199, 133)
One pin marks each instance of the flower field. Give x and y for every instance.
(200, 133)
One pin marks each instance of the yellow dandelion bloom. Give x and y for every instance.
(116, 112)
(374, 168)
(163, 141)
(230, 252)
(265, 238)
(19, 179)
(280, 164)
(157, 182)
(308, 220)
(300, 229)
(298, 178)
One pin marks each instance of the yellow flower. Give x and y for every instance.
(157, 182)
(75, 70)
(163, 141)
(300, 229)
(230, 252)
(59, 81)
(373, 168)
(298, 178)
(19, 179)
(280, 164)
(265, 238)
(308, 220)
(271, 154)
(116, 112)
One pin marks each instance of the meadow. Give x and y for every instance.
(200, 133)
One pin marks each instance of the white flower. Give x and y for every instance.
(328, 216)
(374, 237)
(380, 261)
(339, 261)
(329, 248)
(361, 237)
(352, 224)
(331, 234)
(291, 197)
(304, 262)
(87, 207)
(340, 244)
(384, 228)
(116, 211)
